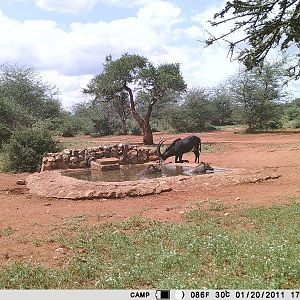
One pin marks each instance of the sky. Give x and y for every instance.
(67, 40)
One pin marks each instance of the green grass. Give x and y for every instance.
(6, 231)
(254, 248)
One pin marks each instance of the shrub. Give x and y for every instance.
(136, 130)
(68, 130)
(5, 134)
(274, 124)
(26, 147)
(101, 127)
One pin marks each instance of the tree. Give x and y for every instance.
(25, 98)
(161, 110)
(267, 24)
(258, 93)
(132, 73)
(292, 113)
(222, 102)
(91, 115)
(120, 105)
(195, 113)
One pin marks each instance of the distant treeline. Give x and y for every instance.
(31, 108)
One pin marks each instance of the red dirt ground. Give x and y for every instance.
(27, 222)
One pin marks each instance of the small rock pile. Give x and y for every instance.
(82, 158)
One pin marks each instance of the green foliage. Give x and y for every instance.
(70, 127)
(135, 130)
(129, 70)
(26, 148)
(99, 118)
(5, 134)
(13, 114)
(24, 87)
(258, 94)
(115, 74)
(101, 127)
(26, 101)
(194, 114)
(291, 117)
(266, 24)
(222, 103)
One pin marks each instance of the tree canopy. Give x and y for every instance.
(132, 73)
(258, 94)
(21, 90)
(266, 24)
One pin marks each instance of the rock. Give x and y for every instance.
(142, 156)
(107, 161)
(107, 154)
(66, 152)
(47, 204)
(114, 152)
(73, 159)
(99, 154)
(83, 164)
(134, 160)
(89, 194)
(94, 165)
(61, 250)
(75, 152)
(58, 157)
(105, 164)
(46, 167)
(80, 158)
(110, 167)
(21, 182)
(65, 158)
(124, 160)
(153, 158)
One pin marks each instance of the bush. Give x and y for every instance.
(292, 124)
(5, 134)
(26, 148)
(101, 127)
(136, 130)
(68, 130)
(274, 124)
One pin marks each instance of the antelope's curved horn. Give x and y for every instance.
(158, 149)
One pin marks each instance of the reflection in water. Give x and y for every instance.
(131, 172)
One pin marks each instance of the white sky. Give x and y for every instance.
(67, 40)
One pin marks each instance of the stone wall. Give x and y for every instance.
(81, 158)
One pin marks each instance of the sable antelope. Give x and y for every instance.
(179, 147)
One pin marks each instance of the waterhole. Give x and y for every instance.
(134, 172)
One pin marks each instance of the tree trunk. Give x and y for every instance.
(147, 131)
(147, 134)
(143, 123)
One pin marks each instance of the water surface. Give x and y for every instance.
(132, 172)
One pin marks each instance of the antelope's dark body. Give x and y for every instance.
(181, 146)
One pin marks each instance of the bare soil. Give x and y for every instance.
(30, 225)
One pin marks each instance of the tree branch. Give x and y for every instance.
(150, 108)
(132, 105)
